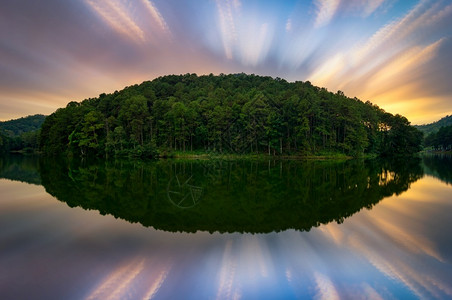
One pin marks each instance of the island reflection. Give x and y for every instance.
(219, 195)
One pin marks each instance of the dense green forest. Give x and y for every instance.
(440, 140)
(235, 113)
(434, 127)
(21, 134)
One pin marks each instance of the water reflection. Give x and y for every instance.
(439, 166)
(227, 196)
(20, 168)
(401, 248)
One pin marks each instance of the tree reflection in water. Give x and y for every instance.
(253, 196)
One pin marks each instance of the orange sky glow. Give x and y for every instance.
(396, 54)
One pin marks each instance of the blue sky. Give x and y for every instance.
(395, 53)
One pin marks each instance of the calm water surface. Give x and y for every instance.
(225, 229)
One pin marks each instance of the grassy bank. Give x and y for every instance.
(230, 156)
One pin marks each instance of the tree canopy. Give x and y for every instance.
(235, 113)
(440, 140)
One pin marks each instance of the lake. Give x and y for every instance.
(225, 229)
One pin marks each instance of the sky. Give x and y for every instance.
(395, 53)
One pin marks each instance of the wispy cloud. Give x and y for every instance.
(289, 25)
(363, 8)
(156, 285)
(245, 37)
(388, 60)
(115, 15)
(154, 12)
(326, 9)
(255, 43)
(395, 72)
(396, 55)
(395, 239)
(371, 293)
(227, 25)
(371, 6)
(115, 283)
(227, 274)
(137, 279)
(129, 20)
(325, 288)
(396, 32)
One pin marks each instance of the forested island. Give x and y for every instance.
(237, 113)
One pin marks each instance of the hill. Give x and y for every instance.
(21, 134)
(435, 126)
(438, 135)
(235, 113)
(16, 127)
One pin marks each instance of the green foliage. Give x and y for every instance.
(88, 137)
(235, 114)
(4, 143)
(440, 140)
(401, 138)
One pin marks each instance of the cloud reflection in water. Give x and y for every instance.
(398, 249)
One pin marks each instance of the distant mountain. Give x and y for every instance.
(435, 126)
(21, 134)
(16, 127)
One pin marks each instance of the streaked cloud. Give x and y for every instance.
(406, 62)
(156, 285)
(371, 293)
(371, 6)
(392, 238)
(398, 249)
(326, 9)
(386, 62)
(115, 15)
(127, 17)
(227, 274)
(364, 8)
(138, 278)
(116, 282)
(153, 11)
(227, 25)
(246, 38)
(394, 54)
(325, 288)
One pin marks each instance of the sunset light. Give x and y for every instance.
(395, 54)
